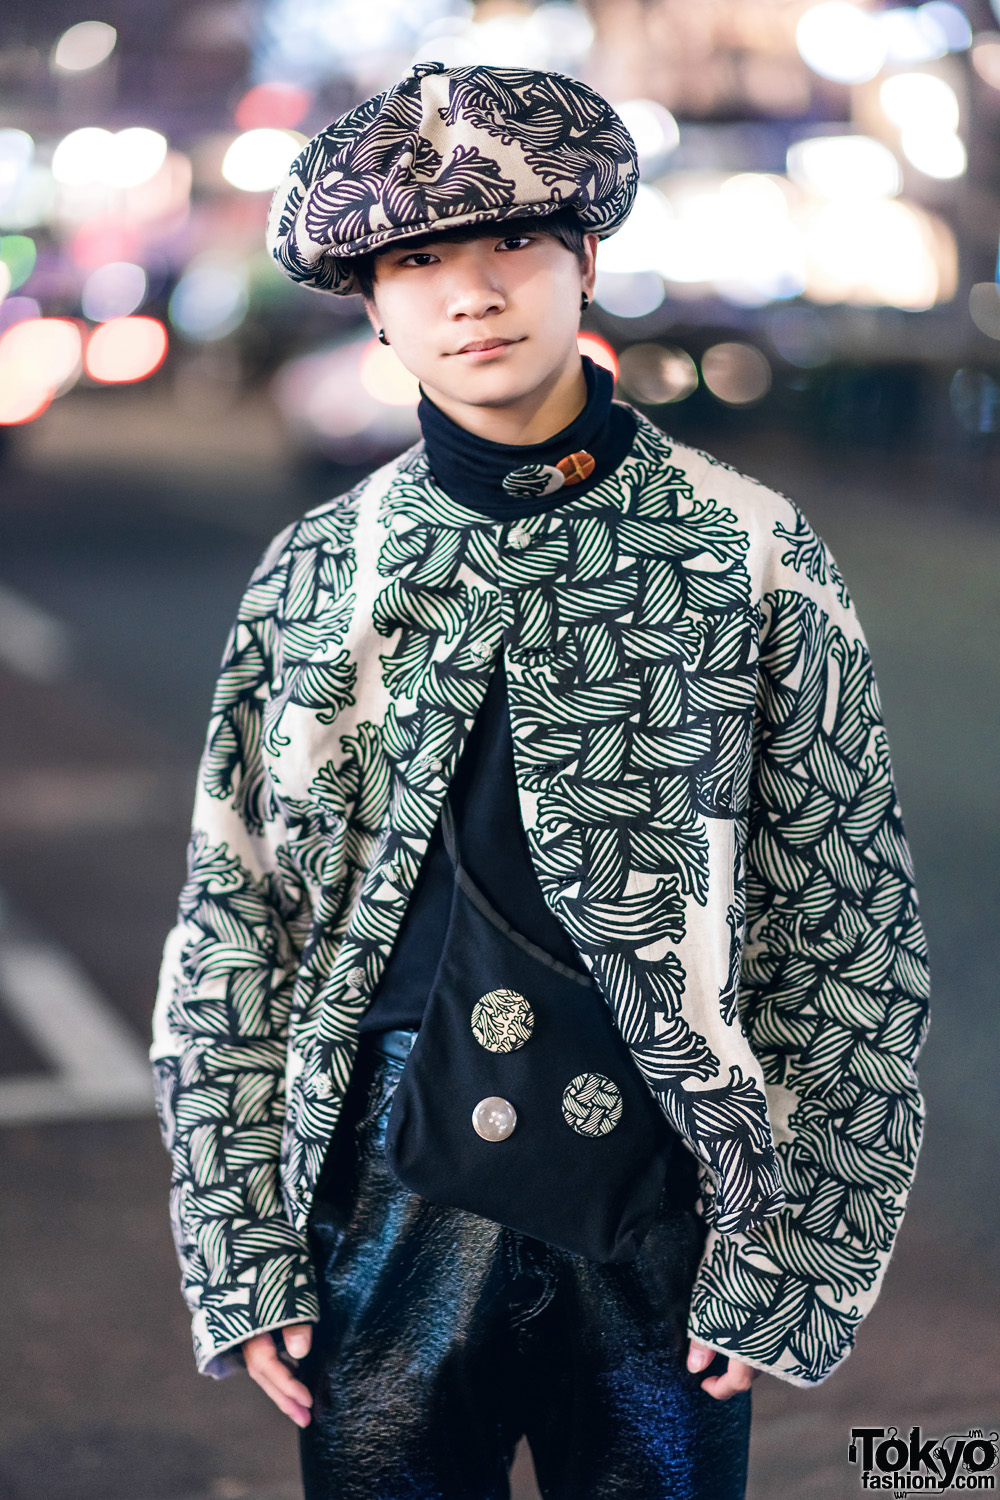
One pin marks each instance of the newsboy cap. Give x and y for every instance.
(447, 147)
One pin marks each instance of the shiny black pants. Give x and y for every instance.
(443, 1337)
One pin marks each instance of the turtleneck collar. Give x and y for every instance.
(473, 469)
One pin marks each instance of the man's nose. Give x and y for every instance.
(474, 297)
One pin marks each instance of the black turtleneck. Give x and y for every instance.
(483, 791)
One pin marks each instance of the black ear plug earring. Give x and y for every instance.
(382, 338)
(584, 302)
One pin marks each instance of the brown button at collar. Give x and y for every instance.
(576, 467)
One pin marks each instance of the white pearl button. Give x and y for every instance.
(435, 765)
(494, 1118)
(482, 649)
(519, 539)
(356, 976)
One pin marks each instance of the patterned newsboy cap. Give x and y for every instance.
(444, 147)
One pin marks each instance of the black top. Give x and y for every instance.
(483, 791)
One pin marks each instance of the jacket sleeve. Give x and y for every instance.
(222, 1013)
(834, 983)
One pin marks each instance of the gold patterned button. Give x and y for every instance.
(502, 1020)
(592, 1104)
(494, 1118)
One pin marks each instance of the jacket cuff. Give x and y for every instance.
(284, 1293)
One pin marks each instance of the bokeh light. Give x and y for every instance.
(80, 157)
(633, 295)
(210, 300)
(919, 100)
(4, 280)
(840, 42)
(20, 400)
(939, 154)
(839, 166)
(134, 156)
(656, 375)
(599, 350)
(911, 35)
(639, 243)
(84, 46)
(47, 350)
(952, 21)
(385, 378)
(984, 308)
(653, 129)
(16, 151)
(257, 160)
(737, 374)
(975, 400)
(113, 291)
(19, 254)
(125, 349)
(276, 106)
(800, 335)
(986, 58)
(18, 310)
(879, 251)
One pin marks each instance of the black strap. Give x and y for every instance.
(483, 905)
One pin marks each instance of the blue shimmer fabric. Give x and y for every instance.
(443, 1337)
(484, 790)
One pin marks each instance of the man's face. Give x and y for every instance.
(489, 322)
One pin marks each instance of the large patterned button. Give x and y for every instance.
(502, 1020)
(494, 1118)
(592, 1104)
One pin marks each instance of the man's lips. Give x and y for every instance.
(485, 346)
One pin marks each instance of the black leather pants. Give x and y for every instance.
(443, 1337)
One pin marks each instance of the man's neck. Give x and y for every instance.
(535, 417)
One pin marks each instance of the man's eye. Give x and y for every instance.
(515, 241)
(418, 258)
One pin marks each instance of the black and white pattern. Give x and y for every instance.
(708, 803)
(532, 480)
(502, 1021)
(449, 146)
(592, 1104)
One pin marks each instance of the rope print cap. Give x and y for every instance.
(449, 147)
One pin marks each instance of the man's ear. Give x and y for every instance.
(371, 312)
(590, 243)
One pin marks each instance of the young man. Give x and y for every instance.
(634, 681)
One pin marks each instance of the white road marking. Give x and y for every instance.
(33, 643)
(99, 1068)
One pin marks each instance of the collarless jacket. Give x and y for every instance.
(705, 786)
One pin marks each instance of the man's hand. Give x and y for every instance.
(275, 1378)
(738, 1377)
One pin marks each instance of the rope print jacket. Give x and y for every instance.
(705, 786)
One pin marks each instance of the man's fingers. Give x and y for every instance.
(738, 1377)
(260, 1355)
(298, 1339)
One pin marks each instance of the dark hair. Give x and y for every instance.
(563, 225)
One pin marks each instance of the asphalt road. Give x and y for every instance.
(116, 592)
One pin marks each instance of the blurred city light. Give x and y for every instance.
(732, 233)
(986, 58)
(984, 308)
(840, 42)
(113, 291)
(322, 397)
(911, 35)
(18, 254)
(638, 245)
(134, 156)
(101, 240)
(80, 157)
(20, 399)
(125, 349)
(879, 251)
(121, 160)
(209, 300)
(936, 153)
(599, 350)
(385, 378)
(306, 41)
(17, 310)
(85, 45)
(46, 350)
(839, 166)
(737, 374)
(800, 335)
(16, 150)
(630, 295)
(656, 375)
(919, 100)
(257, 160)
(975, 400)
(4, 280)
(276, 106)
(653, 129)
(952, 21)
